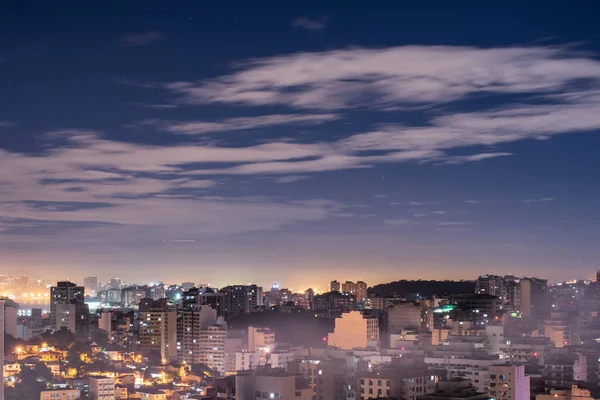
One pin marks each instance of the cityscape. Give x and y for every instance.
(250, 200)
(494, 337)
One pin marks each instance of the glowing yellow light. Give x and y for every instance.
(19, 350)
(44, 344)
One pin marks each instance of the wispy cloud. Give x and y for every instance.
(141, 39)
(357, 77)
(156, 106)
(6, 124)
(381, 79)
(472, 201)
(311, 24)
(380, 196)
(439, 212)
(473, 157)
(453, 223)
(291, 178)
(233, 124)
(542, 200)
(421, 203)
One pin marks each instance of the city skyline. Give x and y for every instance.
(299, 144)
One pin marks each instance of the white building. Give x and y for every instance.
(508, 382)
(11, 311)
(260, 339)
(474, 368)
(102, 388)
(212, 348)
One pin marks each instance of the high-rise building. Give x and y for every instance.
(192, 320)
(158, 328)
(206, 296)
(132, 296)
(335, 302)
(334, 286)
(105, 322)
(358, 289)
(508, 382)
(234, 342)
(64, 317)
(91, 285)
(64, 293)
(490, 284)
(242, 299)
(534, 297)
(158, 292)
(11, 311)
(403, 316)
(255, 298)
(212, 348)
(115, 283)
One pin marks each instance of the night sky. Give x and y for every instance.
(239, 142)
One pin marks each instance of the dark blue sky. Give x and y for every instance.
(299, 144)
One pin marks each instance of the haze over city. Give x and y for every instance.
(299, 144)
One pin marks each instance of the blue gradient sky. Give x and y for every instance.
(299, 144)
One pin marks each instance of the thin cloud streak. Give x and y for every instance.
(234, 124)
(542, 200)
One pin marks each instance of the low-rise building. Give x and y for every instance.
(271, 384)
(404, 383)
(102, 388)
(575, 393)
(60, 394)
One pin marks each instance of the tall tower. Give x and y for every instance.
(598, 276)
(64, 293)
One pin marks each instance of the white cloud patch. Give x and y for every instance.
(453, 223)
(291, 178)
(6, 124)
(140, 186)
(395, 75)
(398, 222)
(542, 200)
(141, 39)
(415, 76)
